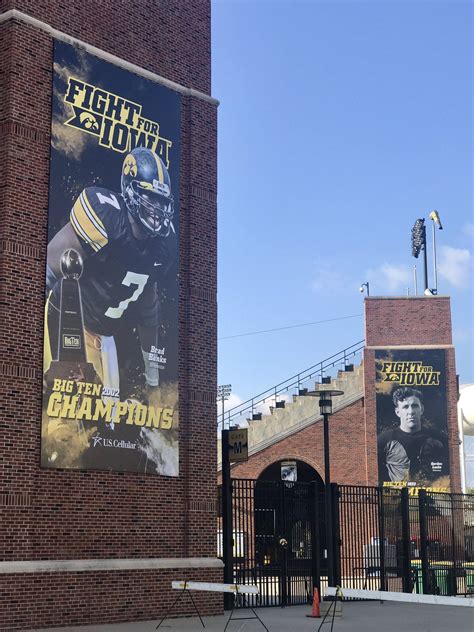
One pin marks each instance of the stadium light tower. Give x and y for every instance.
(418, 243)
(223, 393)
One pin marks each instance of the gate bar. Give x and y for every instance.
(425, 570)
(406, 542)
(382, 595)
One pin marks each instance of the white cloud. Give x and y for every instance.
(454, 265)
(234, 400)
(264, 407)
(390, 279)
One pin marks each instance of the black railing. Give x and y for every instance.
(298, 383)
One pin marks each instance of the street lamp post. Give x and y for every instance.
(434, 215)
(223, 393)
(325, 406)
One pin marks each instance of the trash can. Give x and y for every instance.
(417, 577)
(469, 568)
(441, 581)
(418, 583)
(445, 579)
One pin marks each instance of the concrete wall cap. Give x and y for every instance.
(71, 566)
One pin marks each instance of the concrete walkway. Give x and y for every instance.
(356, 617)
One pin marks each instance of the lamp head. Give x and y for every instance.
(434, 215)
(325, 398)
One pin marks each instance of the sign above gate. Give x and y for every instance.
(238, 445)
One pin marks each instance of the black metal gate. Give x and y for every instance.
(385, 539)
(275, 532)
(391, 540)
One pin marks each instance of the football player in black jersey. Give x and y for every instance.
(411, 452)
(128, 243)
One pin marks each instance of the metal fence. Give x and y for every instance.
(384, 539)
(391, 540)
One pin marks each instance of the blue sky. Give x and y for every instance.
(340, 124)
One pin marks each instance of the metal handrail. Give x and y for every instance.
(295, 381)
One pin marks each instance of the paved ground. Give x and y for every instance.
(356, 617)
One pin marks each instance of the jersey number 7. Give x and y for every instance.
(131, 278)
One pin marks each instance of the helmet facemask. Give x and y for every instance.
(152, 208)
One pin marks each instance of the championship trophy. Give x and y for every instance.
(71, 362)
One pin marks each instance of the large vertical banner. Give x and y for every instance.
(412, 419)
(110, 396)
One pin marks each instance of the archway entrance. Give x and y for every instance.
(277, 533)
(301, 504)
(305, 473)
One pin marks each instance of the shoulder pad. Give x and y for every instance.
(94, 214)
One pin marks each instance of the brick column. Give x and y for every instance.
(413, 322)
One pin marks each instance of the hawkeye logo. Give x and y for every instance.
(130, 166)
(116, 121)
(89, 122)
(410, 374)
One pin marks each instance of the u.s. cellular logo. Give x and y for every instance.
(104, 442)
(71, 341)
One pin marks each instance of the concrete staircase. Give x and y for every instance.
(301, 412)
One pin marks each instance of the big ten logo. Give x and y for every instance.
(71, 341)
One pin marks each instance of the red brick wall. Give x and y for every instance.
(169, 37)
(80, 598)
(412, 320)
(47, 514)
(347, 442)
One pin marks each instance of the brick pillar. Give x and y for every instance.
(101, 517)
(410, 323)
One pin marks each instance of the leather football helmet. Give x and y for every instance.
(146, 190)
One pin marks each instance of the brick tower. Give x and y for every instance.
(409, 344)
(84, 545)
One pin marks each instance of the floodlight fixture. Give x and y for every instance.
(224, 391)
(418, 243)
(418, 237)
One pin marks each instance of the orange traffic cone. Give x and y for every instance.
(315, 612)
